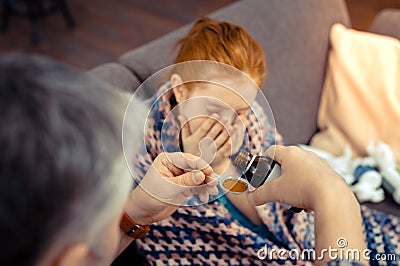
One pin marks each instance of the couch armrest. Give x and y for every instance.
(117, 75)
(387, 22)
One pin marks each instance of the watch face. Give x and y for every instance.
(131, 228)
(138, 231)
(135, 229)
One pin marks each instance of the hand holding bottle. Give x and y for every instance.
(305, 178)
(308, 182)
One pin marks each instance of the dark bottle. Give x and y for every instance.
(258, 170)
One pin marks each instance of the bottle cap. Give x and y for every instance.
(242, 161)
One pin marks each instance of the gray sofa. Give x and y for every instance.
(294, 35)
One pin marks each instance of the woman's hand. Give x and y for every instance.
(211, 141)
(305, 179)
(171, 179)
(310, 183)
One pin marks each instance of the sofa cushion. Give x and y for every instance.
(294, 35)
(361, 97)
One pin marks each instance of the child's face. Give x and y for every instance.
(230, 105)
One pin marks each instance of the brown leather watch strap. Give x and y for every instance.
(131, 228)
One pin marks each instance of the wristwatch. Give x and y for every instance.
(131, 228)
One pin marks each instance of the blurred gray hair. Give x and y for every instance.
(62, 150)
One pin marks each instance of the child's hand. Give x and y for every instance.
(211, 141)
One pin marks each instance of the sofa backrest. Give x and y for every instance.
(387, 22)
(294, 35)
(117, 75)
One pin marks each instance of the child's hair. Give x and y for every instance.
(226, 43)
